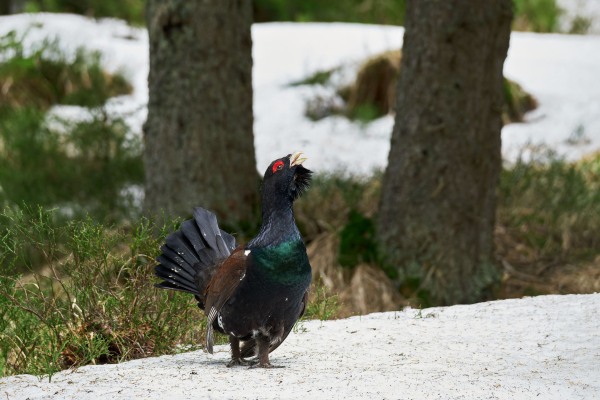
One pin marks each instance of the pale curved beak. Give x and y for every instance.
(297, 158)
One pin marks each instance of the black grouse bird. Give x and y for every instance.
(253, 293)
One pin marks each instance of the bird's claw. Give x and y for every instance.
(241, 362)
(266, 365)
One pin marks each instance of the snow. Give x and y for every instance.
(589, 9)
(559, 70)
(545, 347)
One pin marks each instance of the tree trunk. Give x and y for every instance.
(5, 7)
(199, 146)
(437, 210)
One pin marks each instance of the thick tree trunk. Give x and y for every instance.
(199, 146)
(5, 7)
(438, 203)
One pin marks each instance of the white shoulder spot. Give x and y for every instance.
(246, 252)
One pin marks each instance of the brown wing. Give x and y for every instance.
(221, 287)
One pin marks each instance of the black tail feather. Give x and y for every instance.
(190, 255)
(171, 260)
(184, 271)
(175, 281)
(208, 256)
(177, 242)
(229, 241)
(207, 222)
(192, 232)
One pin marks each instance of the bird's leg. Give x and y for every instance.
(264, 344)
(236, 358)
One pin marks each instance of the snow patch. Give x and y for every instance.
(545, 347)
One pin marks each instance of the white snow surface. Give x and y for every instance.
(561, 71)
(545, 347)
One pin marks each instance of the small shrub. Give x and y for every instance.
(517, 102)
(536, 15)
(129, 10)
(373, 12)
(93, 300)
(81, 167)
(357, 241)
(43, 76)
(321, 304)
(580, 25)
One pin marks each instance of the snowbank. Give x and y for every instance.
(545, 347)
(561, 71)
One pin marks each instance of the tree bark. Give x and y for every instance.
(5, 7)
(437, 211)
(199, 145)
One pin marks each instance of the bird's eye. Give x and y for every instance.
(278, 166)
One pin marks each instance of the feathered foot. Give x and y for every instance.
(236, 357)
(263, 343)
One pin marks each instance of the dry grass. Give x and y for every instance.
(372, 94)
(361, 290)
(547, 235)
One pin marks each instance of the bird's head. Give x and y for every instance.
(286, 178)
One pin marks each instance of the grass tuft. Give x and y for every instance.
(552, 209)
(77, 167)
(321, 305)
(537, 15)
(92, 301)
(44, 75)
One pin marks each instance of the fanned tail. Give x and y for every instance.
(190, 255)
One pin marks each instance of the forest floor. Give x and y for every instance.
(545, 347)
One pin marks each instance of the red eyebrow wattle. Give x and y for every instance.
(277, 165)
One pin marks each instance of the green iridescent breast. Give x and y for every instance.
(285, 262)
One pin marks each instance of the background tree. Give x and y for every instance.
(438, 203)
(11, 6)
(199, 147)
